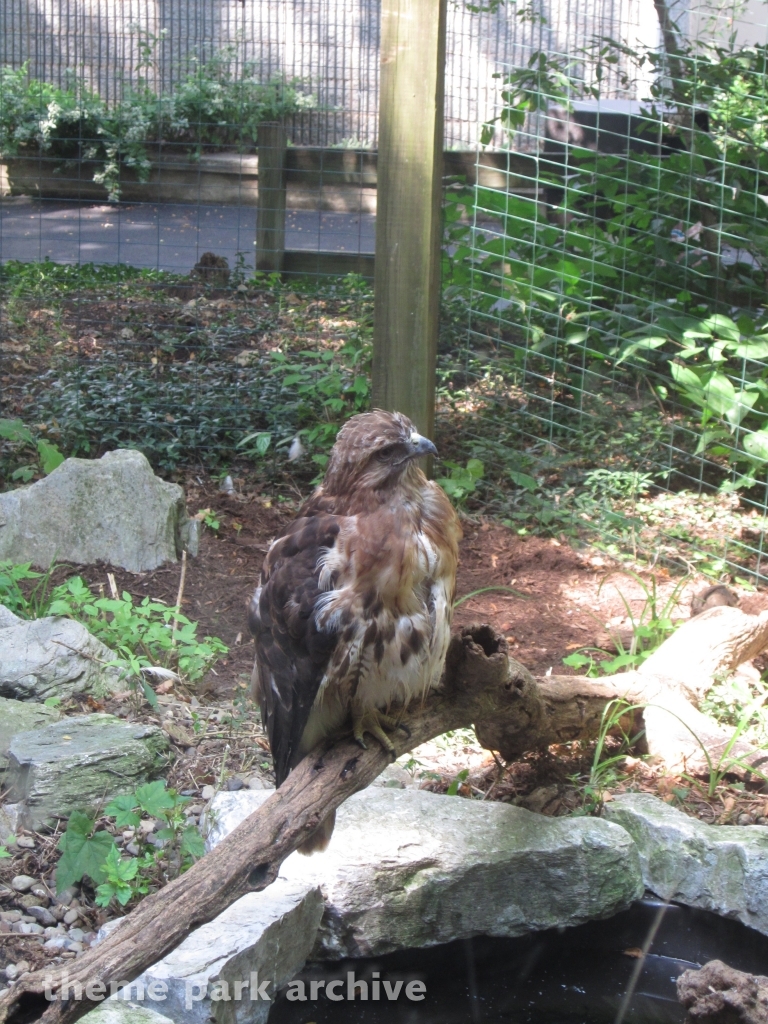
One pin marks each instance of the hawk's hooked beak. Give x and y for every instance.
(420, 446)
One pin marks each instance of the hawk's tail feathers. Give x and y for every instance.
(320, 838)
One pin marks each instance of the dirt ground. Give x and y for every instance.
(563, 599)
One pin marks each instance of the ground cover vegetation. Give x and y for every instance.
(226, 380)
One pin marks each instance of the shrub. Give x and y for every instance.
(216, 104)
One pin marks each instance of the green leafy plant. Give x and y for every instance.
(457, 782)
(256, 445)
(727, 761)
(218, 103)
(630, 274)
(143, 634)
(209, 518)
(718, 367)
(321, 390)
(23, 441)
(157, 801)
(119, 874)
(109, 403)
(14, 598)
(649, 629)
(604, 770)
(462, 481)
(730, 698)
(84, 852)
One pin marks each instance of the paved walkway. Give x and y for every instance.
(170, 236)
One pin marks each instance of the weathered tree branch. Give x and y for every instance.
(512, 713)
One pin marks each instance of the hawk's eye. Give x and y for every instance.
(385, 454)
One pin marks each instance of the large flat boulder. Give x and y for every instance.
(53, 657)
(113, 509)
(79, 764)
(220, 970)
(407, 868)
(19, 716)
(722, 868)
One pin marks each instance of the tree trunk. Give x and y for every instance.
(512, 712)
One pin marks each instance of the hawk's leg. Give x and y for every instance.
(373, 722)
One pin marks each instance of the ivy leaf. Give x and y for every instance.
(522, 480)
(720, 394)
(119, 872)
(744, 401)
(50, 456)
(154, 798)
(757, 444)
(192, 843)
(123, 810)
(82, 853)
(14, 430)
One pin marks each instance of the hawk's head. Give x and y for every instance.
(374, 450)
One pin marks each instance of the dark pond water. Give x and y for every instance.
(575, 976)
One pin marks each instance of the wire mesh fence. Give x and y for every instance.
(616, 289)
(604, 342)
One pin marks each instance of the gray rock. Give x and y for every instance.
(54, 657)
(267, 934)
(9, 822)
(113, 509)
(28, 928)
(395, 776)
(67, 895)
(106, 929)
(116, 1011)
(227, 810)
(42, 916)
(22, 883)
(407, 868)
(80, 763)
(7, 618)
(722, 868)
(20, 716)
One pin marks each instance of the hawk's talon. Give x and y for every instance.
(405, 729)
(374, 723)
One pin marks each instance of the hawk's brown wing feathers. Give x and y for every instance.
(291, 652)
(353, 613)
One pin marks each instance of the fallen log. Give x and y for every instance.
(511, 711)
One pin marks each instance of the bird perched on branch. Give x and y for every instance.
(352, 616)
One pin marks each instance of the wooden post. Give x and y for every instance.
(270, 226)
(408, 220)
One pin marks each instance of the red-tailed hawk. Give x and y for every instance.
(353, 612)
